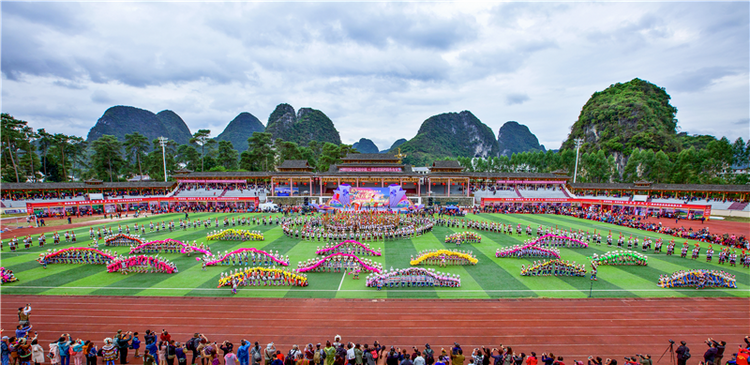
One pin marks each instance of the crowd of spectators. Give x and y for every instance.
(625, 217)
(50, 194)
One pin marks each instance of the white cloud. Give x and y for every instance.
(376, 69)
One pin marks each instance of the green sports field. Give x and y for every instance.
(490, 278)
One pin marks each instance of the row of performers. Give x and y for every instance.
(348, 247)
(248, 258)
(76, 257)
(620, 258)
(235, 235)
(463, 237)
(553, 267)
(699, 279)
(7, 275)
(257, 276)
(142, 264)
(518, 229)
(413, 277)
(559, 241)
(339, 263)
(378, 234)
(527, 250)
(168, 246)
(444, 258)
(28, 241)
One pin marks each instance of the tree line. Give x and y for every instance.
(35, 155)
(712, 164)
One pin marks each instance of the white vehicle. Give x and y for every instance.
(271, 207)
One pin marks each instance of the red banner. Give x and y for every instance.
(211, 181)
(531, 181)
(705, 208)
(74, 203)
(369, 169)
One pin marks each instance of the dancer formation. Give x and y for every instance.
(142, 264)
(412, 277)
(698, 279)
(339, 262)
(170, 246)
(463, 237)
(122, 240)
(77, 255)
(554, 268)
(359, 226)
(443, 258)
(350, 247)
(7, 275)
(620, 258)
(261, 276)
(247, 257)
(235, 235)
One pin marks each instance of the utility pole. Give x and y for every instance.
(579, 143)
(163, 143)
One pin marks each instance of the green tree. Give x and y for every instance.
(12, 139)
(136, 147)
(189, 156)
(661, 168)
(107, 159)
(45, 141)
(740, 153)
(202, 138)
(260, 154)
(227, 156)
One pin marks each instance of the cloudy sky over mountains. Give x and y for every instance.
(376, 69)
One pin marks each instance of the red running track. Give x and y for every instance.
(573, 328)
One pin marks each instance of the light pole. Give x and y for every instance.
(163, 143)
(579, 142)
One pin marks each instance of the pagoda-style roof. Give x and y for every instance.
(295, 166)
(369, 158)
(446, 166)
(182, 171)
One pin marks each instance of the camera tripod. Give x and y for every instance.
(669, 349)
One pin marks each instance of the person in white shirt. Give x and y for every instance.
(350, 356)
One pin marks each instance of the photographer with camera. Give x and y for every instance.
(720, 347)
(683, 353)
(710, 355)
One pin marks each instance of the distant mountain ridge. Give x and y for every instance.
(395, 145)
(365, 145)
(450, 135)
(306, 126)
(121, 120)
(240, 129)
(516, 138)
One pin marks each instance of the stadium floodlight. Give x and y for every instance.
(163, 143)
(579, 143)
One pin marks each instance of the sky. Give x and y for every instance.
(377, 69)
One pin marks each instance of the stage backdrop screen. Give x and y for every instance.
(370, 196)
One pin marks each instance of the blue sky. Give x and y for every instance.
(378, 70)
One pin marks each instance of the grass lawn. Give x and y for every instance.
(490, 278)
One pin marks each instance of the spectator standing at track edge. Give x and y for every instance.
(122, 342)
(683, 353)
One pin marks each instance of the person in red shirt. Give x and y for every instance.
(165, 336)
(532, 360)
